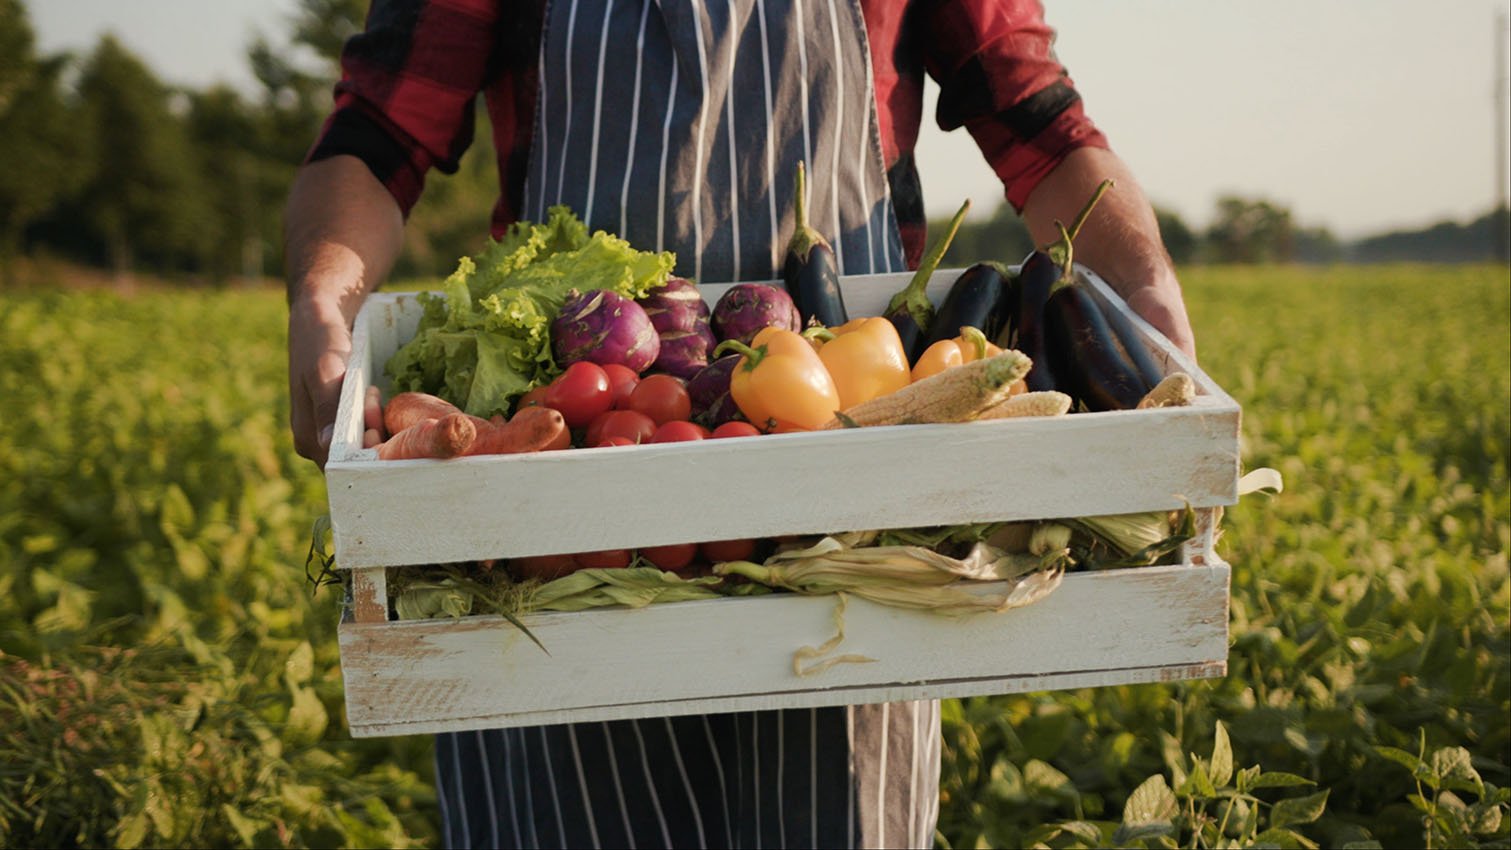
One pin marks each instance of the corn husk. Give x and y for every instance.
(635, 587)
(908, 576)
(446, 597)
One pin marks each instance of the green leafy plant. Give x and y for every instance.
(1447, 819)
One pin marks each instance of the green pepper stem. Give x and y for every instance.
(976, 339)
(913, 297)
(820, 333)
(753, 356)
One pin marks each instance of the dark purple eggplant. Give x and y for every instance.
(1024, 330)
(1092, 354)
(910, 310)
(977, 299)
(811, 271)
(1099, 368)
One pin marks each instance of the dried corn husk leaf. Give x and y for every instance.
(903, 576)
(810, 652)
(444, 598)
(634, 587)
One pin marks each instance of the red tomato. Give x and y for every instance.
(614, 441)
(622, 381)
(607, 559)
(736, 429)
(663, 398)
(727, 550)
(673, 557)
(580, 393)
(629, 424)
(679, 431)
(532, 398)
(543, 567)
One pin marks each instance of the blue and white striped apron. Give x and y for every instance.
(679, 124)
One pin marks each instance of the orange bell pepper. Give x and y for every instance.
(780, 383)
(864, 356)
(970, 346)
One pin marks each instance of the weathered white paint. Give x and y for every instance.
(425, 511)
(1117, 627)
(1100, 628)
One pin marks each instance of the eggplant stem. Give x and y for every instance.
(1060, 250)
(800, 202)
(912, 297)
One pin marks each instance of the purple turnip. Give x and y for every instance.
(684, 353)
(746, 308)
(604, 327)
(677, 306)
(709, 391)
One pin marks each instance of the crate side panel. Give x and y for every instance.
(481, 666)
(410, 512)
(806, 699)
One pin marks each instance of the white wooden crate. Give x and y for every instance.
(1122, 626)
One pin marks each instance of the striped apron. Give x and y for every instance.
(678, 124)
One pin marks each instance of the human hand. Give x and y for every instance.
(320, 342)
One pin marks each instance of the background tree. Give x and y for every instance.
(140, 202)
(42, 144)
(1180, 241)
(1251, 231)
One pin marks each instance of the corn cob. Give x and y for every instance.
(1176, 390)
(1042, 403)
(954, 395)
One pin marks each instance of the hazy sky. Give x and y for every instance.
(1360, 115)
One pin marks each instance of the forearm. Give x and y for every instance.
(1120, 240)
(342, 232)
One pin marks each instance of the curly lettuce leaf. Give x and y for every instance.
(484, 340)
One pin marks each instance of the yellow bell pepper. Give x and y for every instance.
(865, 358)
(780, 383)
(970, 346)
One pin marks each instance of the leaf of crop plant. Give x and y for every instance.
(1221, 768)
(1299, 809)
(1452, 766)
(1279, 779)
(1151, 802)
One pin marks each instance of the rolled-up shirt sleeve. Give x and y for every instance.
(409, 82)
(999, 78)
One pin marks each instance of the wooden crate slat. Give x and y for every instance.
(432, 671)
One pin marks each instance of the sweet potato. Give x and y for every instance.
(445, 437)
(405, 409)
(533, 429)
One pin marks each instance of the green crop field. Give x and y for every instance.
(169, 676)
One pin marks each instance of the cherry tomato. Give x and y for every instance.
(727, 550)
(543, 567)
(614, 441)
(532, 398)
(673, 557)
(580, 393)
(736, 428)
(606, 559)
(622, 381)
(663, 398)
(629, 424)
(679, 431)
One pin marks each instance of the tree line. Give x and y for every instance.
(109, 166)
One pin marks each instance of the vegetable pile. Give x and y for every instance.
(552, 338)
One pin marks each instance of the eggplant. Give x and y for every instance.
(1091, 354)
(1024, 330)
(978, 299)
(811, 271)
(910, 310)
(1100, 368)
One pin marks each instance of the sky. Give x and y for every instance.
(1358, 115)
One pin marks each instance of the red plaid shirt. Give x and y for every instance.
(404, 102)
